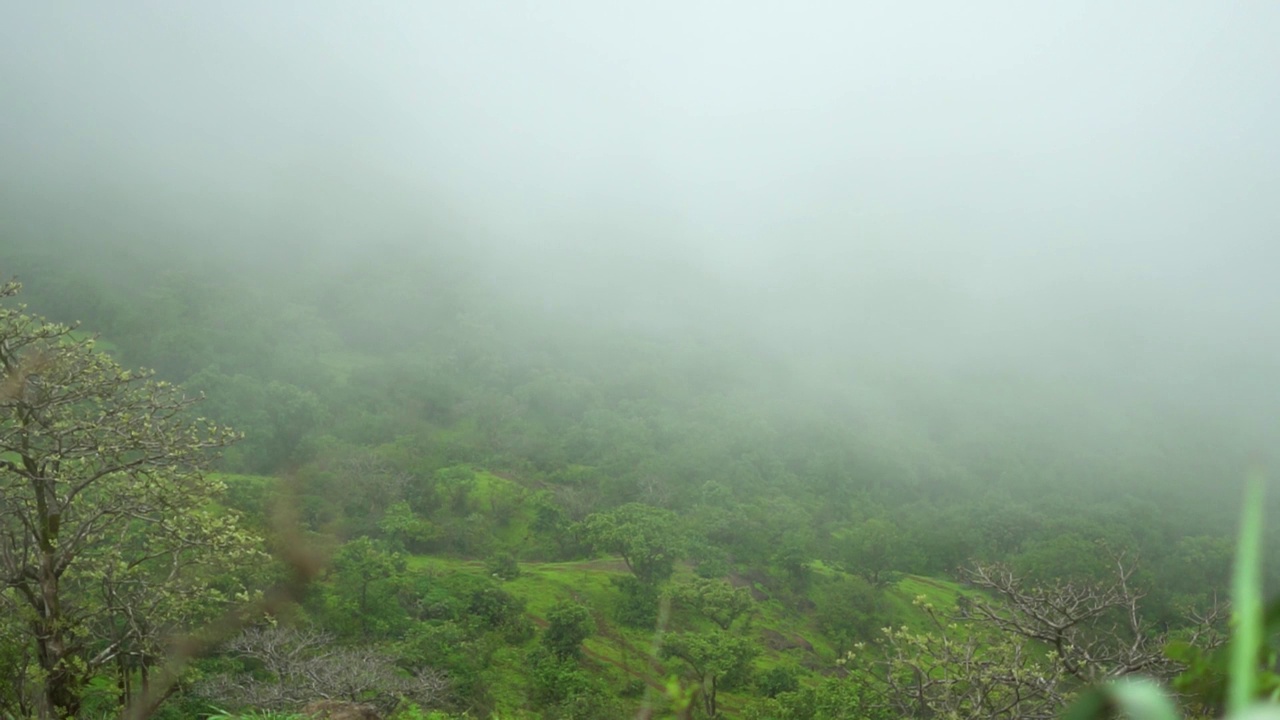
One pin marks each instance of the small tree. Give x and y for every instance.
(872, 549)
(848, 609)
(648, 539)
(108, 532)
(568, 624)
(715, 600)
(712, 657)
(365, 581)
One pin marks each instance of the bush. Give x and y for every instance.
(554, 680)
(777, 680)
(568, 624)
(503, 566)
(638, 605)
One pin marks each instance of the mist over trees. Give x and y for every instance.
(631, 360)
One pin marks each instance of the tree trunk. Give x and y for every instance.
(61, 686)
(711, 698)
(124, 686)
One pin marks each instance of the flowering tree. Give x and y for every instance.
(110, 539)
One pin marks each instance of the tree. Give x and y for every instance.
(406, 530)
(871, 549)
(1095, 628)
(108, 529)
(1195, 570)
(647, 538)
(712, 656)
(303, 665)
(1067, 556)
(715, 600)
(1020, 649)
(945, 671)
(365, 583)
(568, 624)
(277, 417)
(848, 609)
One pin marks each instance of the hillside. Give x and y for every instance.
(617, 470)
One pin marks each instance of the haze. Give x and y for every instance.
(924, 201)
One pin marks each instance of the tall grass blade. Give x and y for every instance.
(1246, 599)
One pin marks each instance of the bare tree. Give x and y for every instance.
(988, 660)
(1096, 629)
(377, 482)
(303, 665)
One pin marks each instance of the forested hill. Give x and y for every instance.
(314, 354)
(473, 455)
(580, 361)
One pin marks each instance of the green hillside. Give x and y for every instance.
(481, 507)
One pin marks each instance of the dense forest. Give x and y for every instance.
(515, 515)
(575, 361)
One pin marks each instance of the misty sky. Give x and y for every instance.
(1093, 182)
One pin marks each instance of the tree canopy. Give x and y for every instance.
(110, 539)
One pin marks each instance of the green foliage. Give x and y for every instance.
(778, 680)
(253, 496)
(637, 603)
(593, 703)
(830, 699)
(1198, 567)
(717, 660)
(793, 559)
(849, 609)
(872, 549)
(715, 600)
(712, 565)
(388, 437)
(568, 624)
(472, 601)
(1135, 699)
(649, 539)
(939, 540)
(277, 418)
(1246, 597)
(411, 711)
(403, 527)
(556, 680)
(360, 597)
(503, 565)
(564, 692)
(1068, 556)
(111, 539)
(1207, 670)
(454, 647)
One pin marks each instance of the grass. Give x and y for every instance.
(490, 492)
(941, 594)
(622, 655)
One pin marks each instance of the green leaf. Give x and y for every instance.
(1134, 699)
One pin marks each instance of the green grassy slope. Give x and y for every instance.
(625, 657)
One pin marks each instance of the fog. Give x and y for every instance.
(1083, 194)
